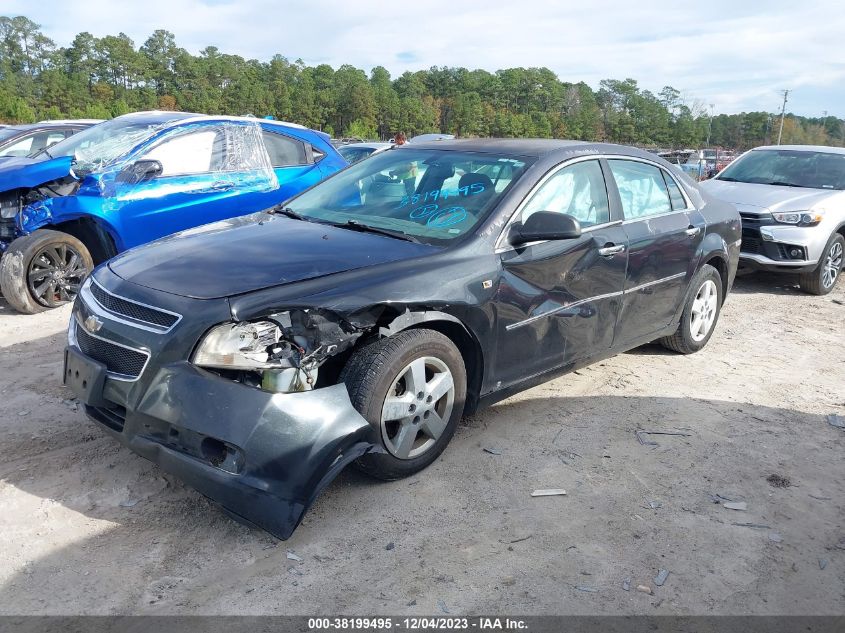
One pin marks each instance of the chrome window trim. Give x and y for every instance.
(608, 295)
(502, 246)
(72, 339)
(122, 318)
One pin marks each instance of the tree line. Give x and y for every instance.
(108, 76)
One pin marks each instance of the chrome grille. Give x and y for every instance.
(117, 359)
(131, 310)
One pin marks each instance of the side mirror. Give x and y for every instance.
(139, 171)
(545, 225)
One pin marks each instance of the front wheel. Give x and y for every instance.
(701, 312)
(43, 270)
(821, 280)
(411, 387)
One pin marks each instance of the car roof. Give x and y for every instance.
(533, 147)
(41, 125)
(164, 117)
(373, 145)
(803, 148)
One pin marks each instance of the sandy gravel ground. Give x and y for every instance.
(87, 527)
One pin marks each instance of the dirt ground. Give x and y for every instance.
(86, 527)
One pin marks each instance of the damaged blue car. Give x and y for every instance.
(135, 179)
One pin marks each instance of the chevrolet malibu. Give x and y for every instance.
(256, 357)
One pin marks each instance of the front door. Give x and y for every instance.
(209, 173)
(664, 231)
(558, 300)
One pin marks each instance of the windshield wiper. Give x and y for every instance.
(366, 228)
(783, 183)
(727, 179)
(287, 212)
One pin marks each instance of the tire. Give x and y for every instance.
(29, 262)
(701, 313)
(823, 279)
(388, 367)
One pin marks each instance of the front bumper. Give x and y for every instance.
(768, 245)
(264, 457)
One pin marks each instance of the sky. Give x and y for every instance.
(735, 55)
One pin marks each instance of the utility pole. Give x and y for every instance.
(782, 114)
(710, 124)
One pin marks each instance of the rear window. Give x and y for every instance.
(284, 151)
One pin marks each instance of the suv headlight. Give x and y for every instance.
(799, 218)
(244, 346)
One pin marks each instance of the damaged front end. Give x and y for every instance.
(248, 417)
(24, 183)
(281, 353)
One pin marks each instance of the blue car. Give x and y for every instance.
(137, 178)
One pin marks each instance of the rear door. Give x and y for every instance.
(664, 231)
(294, 162)
(558, 301)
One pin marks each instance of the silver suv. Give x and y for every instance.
(792, 202)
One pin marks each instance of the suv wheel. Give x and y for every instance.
(411, 387)
(823, 278)
(43, 270)
(701, 312)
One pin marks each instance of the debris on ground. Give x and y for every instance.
(626, 584)
(412, 603)
(292, 556)
(26, 412)
(294, 571)
(833, 419)
(390, 546)
(758, 526)
(73, 404)
(719, 498)
(548, 492)
(774, 537)
(819, 498)
(736, 505)
(493, 451)
(640, 433)
(586, 588)
(522, 538)
(128, 503)
(442, 606)
(661, 577)
(779, 481)
(823, 563)
(645, 589)
(654, 505)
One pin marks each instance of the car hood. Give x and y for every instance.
(18, 172)
(254, 252)
(758, 198)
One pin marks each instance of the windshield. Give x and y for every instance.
(8, 132)
(354, 154)
(97, 146)
(433, 196)
(816, 170)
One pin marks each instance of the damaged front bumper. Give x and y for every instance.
(264, 457)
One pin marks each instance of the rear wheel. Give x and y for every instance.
(411, 387)
(822, 280)
(43, 270)
(701, 312)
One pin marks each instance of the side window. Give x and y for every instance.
(641, 187)
(191, 153)
(675, 196)
(578, 190)
(284, 151)
(22, 147)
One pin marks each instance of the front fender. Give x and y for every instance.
(52, 211)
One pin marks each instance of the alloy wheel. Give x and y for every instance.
(832, 265)
(417, 407)
(55, 274)
(703, 313)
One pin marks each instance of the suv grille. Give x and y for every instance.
(750, 245)
(117, 359)
(132, 310)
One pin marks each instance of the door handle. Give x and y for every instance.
(611, 250)
(692, 231)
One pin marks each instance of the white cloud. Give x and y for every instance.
(735, 55)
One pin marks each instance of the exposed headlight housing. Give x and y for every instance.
(244, 346)
(799, 218)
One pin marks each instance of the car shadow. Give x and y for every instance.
(766, 282)
(131, 539)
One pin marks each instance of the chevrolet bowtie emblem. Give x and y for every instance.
(93, 324)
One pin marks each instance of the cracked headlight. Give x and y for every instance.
(799, 218)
